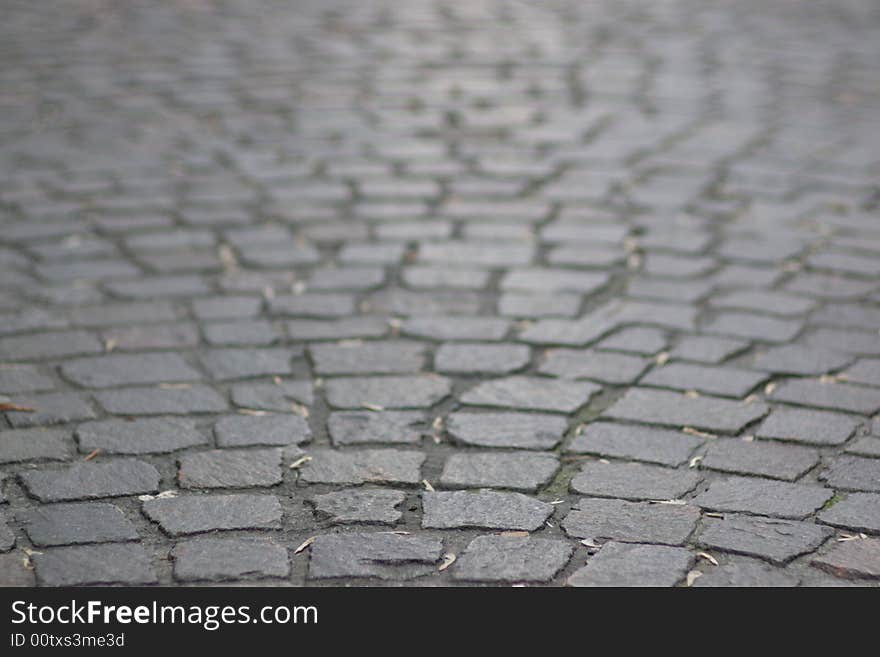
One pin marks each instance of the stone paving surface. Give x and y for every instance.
(465, 293)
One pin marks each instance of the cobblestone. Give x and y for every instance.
(364, 466)
(763, 497)
(138, 436)
(224, 559)
(383, 556)
(671, 409)
(637, 443)
(777, 541)
(230, 468)
(517, 471)
(513, 430)
(195, 514)
(760, 459)
(91, 565)
(812, 427)
(92, 480)
(853, 473)
(161, 401)
(364, 427)
(852, 559)
(22, 445)
(463, 358)
(512, 559)
(68, 524)
(250, 430)
(367, 505)
(635, 522)
(387, 392)
(857, 512)
(531, 393)
(744, 573)
(620, 564)
(633, 481)
(583, 250)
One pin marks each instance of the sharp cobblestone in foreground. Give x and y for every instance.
(435, 279)
(636, 522)
(619, 564)
(90, 565)
(194, 514)
(223, 559)
(66, 524)
(512, 559)
(384, 556)
(483, 510)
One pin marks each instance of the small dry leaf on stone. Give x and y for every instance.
(748, 439)
(662, 358)
(827, 378)
(557, 501)
(9, 406)
(164, 495)
(692, 394)
(448, 560)
(92, 454)
(306, 543)
(693, 576)
(605, 461)
(109, 345)
(694, 462)
(708, 557)
(843, 538)
(750, 399)
(251, 411)
(372, 407)
(299, 409)
(769, 388)
(427, 485)
(26, 560)
(670, 502)
(590, 543)
(227, 256)
(302, 460)
(712, 514)
(698, 433)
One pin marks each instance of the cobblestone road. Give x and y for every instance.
(440, 293)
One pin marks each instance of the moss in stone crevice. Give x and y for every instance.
(834, 500)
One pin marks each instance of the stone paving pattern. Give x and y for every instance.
(578, 292)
